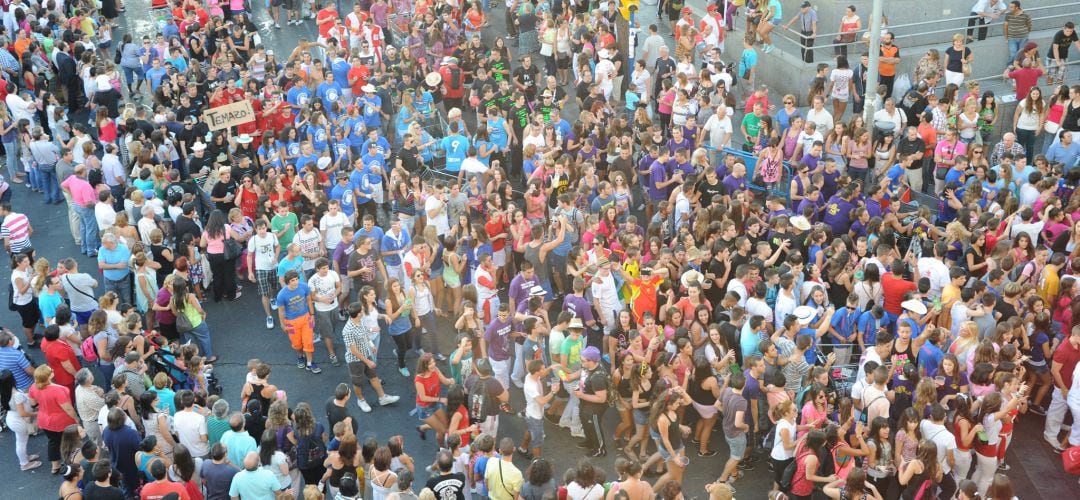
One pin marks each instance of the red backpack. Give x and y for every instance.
(89, 349)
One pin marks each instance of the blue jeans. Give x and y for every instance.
(11, 150)
(131, 73)
(1015, 44)
(200, 335)
(122, 287)
(106, 368)
(51, 187)
(35, 179)
(88, 230)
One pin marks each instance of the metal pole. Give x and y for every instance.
(872, 70)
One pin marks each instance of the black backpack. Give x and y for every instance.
(455, 78)
(480, 405)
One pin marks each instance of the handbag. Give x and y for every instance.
(966, 68)
(183, 323)
(232, 249)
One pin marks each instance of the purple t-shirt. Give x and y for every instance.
(519, 288)
(579, 307)
(658, 173)
(838, 214)
(496, 337)
(684, 144)
(732, 184)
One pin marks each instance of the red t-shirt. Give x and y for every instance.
(494, 229)
(324, 28)
(894, 289)
(51, 416)
(430, 382)
(361, 73)
(56, 352)
(1068, 356)
(1025, 79)
(158, 489)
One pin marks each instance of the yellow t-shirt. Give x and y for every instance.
(503, 479)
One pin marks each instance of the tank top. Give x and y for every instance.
(532, 254)
(914, 485)
(674, 435)
(790, 142)
(256, 394)
(958, 434)
(697, 392)
(424, 303)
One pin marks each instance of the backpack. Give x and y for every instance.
(927, 491)
(480, 405)
(286, 447)
(89, 349)
(455, 78)
(313, 453)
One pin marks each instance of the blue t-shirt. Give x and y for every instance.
(392, 244)
(844, 321)
(299, 97)
(294, 302)
(811, 353)
(457, 148)
(868, 327)
(118, 255)
(344, 196)
(372, 110)
(355, 131)
(286, 265)
(48, 302)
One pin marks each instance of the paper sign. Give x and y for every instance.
(229, 115)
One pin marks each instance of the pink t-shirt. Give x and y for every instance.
(810, 413)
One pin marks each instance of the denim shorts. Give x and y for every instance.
(737, 445)
(536, 430)
(422, 413)
(660, 445)
(641, 417)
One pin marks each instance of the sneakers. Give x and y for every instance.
(273, 304)
(342, 315)
(334, 361)
(364, 406)
(768, 48)
(318, 339)
(387, 399)
(1054, 444)
(269, 322)
(1004, 467)
(277, 25)
(403, 371)
(1038, 410)
(743, 465)
(314, 368)
(708, 453)
(301, 362)
(440, 357)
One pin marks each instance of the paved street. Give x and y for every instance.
(239, 334)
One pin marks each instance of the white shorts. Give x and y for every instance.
(499, 258)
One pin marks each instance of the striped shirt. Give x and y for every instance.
(16, 229)
(15, 360)
(358, 335)
(1019, 25)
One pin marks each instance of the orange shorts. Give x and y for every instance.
(301, 334)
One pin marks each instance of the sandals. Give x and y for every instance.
(211, 360)
(33, 464)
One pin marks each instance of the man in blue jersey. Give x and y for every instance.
(456, 147)
(299, 95)
(370, 107)
(344, 195)
(329, 90)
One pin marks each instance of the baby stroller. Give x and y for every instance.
(164, 361)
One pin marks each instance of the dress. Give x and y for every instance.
(142, 303)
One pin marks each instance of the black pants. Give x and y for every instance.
(808, 47)
(224, 282)
(887, 81)
(840, 48)
(404, 342)
(368, 207)
(54, 444)
(511, 28)
(975, 20)
(593, 424)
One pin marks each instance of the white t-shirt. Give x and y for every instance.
(823, 119)
(778, 450)
(440, 221)
(533, 390)
(105, 216)
(937, 272)
(263, 249)
(331, 227)
(603, 289)
(325, 285)
(191, 429)
(309, 243)
(575, 492)
(103, 419)
(720, 130)
(944, 440)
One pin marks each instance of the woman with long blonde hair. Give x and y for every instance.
(11, 145)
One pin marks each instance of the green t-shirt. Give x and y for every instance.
(278, 223)
(464, 365)
(571, 349)
(752, 123)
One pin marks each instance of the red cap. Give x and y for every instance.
(687, 10)
(711, 8)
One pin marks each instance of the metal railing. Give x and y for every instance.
(956, 25)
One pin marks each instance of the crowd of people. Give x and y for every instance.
(603, 240)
